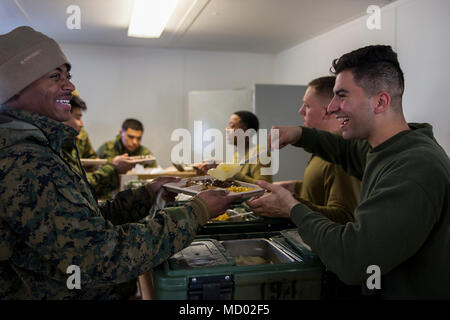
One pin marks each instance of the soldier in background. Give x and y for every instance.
(127, 141)
(49, 219)
(83, 143)
(242, 125)
(105, 179)
(250, 172)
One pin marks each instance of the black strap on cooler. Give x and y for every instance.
(210, 288)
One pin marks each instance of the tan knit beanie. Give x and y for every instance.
(25, 56)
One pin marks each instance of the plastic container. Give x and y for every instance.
(210, 269)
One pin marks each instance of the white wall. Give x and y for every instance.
(416, 29)
(312, 58)
(152, 85)
(423, 44)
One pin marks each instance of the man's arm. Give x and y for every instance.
(350, 154)
(389, 228)
(146, 152)
(251, 173)
(128, 205)
(294, 186)
(335, 211)
(62, 225)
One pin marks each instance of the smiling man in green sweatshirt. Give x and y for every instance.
(402, 225)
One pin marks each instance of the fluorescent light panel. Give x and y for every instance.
(150, 17)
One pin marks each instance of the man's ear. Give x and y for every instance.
(381, 102)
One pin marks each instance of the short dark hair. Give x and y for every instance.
(132, 124)
(375, 68)
(324, 86)
(249, 119)
(77, 102)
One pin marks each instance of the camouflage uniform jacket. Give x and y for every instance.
(50, 220)
(85, 149)
(104, 180)
(113, 148)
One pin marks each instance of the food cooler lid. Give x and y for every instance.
(200, 254)
(292, 237)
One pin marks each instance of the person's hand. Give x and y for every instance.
(278, 202)
(217, 201)
(205, 166)
(286, 135)
(288, 185)
(123, 163)
(157, 183)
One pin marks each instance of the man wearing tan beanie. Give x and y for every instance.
(50, 222)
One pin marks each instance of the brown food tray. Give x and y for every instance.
(91, 162)
(142, 159)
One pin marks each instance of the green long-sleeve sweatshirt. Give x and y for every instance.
(402, 224)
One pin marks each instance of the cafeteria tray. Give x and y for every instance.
(93, 162)
(178, 187)
(141, 159)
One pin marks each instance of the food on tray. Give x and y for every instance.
(222, 217)
(236, 214)
(224, 171)
(209, 183)
(140, 159)
(238, 189)
(251, 260)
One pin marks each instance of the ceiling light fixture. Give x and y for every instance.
(150, 17)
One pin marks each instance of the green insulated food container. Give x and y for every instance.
(250, 266)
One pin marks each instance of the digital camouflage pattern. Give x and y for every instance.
(105, 179)
(84, 145)
(113, 148)
(50, 220)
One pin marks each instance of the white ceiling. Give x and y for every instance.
(263, 26)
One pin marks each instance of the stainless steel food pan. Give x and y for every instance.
(259, 247)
